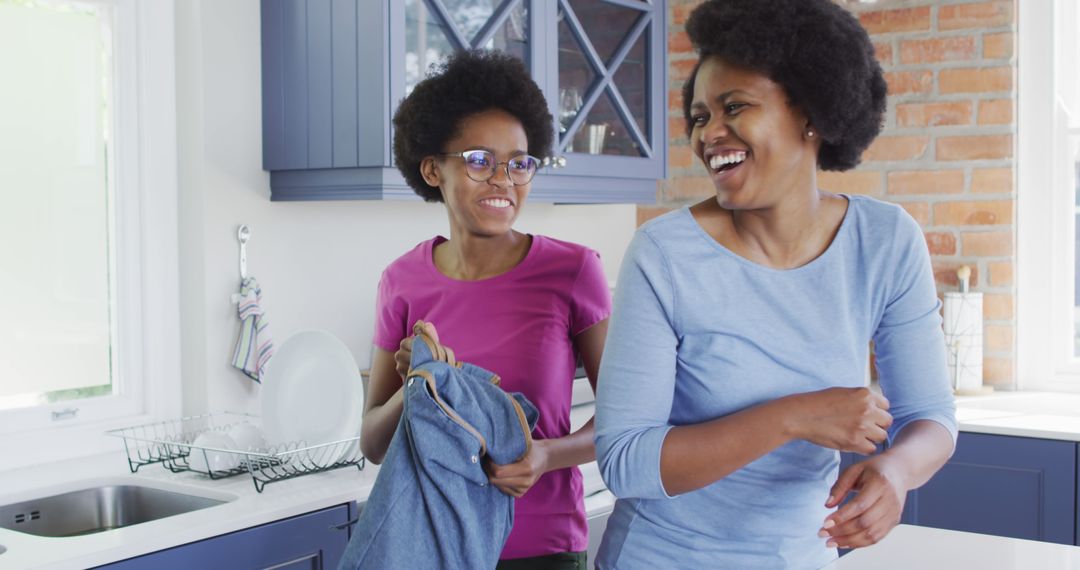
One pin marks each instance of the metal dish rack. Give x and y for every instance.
(171, 443)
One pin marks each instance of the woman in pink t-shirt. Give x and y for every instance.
(523, 306)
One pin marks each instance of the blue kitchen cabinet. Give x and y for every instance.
(1006, 486)
(312, 541)
(1009, 486)
(333, 72)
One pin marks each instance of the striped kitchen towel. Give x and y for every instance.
(255, 346)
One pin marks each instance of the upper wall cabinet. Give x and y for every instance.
(334, 71)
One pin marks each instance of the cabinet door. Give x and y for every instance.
(1005, 486)
(434, 29)
(605, 81)
(313, 541)
(322, 83)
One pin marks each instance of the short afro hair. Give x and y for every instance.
(815, 50)
(469, 82)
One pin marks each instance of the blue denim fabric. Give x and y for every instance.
(432, 505)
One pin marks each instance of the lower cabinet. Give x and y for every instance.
(313, 541)
(1017, 487)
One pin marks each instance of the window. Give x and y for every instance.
(1048, 276)
(87, 223)
(58, 293)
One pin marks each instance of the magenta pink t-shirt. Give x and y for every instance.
(519, 325)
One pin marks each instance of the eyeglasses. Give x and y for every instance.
(480, 165)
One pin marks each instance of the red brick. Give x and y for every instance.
(998, 46)
(920, 211)
(851, 182)
(681, 68)
(975, 80)
(936, 50)
(976, 147)
(1001, 273)
(941, 243)
(680, 12)
(687, 188)
(901, 82)
(977, 15)
(996, 112)
(884, 53)
(896, 148)
(945, 274)
(992, 180)
(998, 371)
(679, 42)
(677, 127)
(933, 114)
(987, 244)
(998, 306)
(646, 213)
(675, 102)
(926, 182)
(998, 338)
(889, 21)
(973, 213)
(680, 156)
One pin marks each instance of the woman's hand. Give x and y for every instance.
(403, 357)
(873, 511)
(847, 419)
(515, 479)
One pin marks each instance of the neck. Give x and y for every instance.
(788, 234)
(471, 257)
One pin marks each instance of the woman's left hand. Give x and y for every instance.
(515, 479)
(873, 511)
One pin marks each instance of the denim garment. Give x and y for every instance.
(432, 505)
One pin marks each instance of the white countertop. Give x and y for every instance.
(1047, 415)
(1023, 414)
(245, 507)
(908, 547)
(278, 500)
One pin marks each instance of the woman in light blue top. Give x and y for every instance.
(735, 362)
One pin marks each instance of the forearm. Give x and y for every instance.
(573, 449)
(694, 456)
(919, 451)
(379, 425)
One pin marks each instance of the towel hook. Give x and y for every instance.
(243, 234)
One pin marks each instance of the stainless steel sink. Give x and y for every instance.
(97, 509)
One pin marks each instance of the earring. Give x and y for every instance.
(810, 133)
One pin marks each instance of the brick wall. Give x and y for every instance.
(945, 155)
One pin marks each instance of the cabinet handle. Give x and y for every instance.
(554, 161)
(344, 525)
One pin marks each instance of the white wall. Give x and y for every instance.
(318, 262)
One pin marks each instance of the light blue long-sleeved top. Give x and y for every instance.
(699, 332)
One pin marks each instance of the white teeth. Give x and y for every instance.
(729, 158)
(496, 202)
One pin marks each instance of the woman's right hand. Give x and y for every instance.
(846, 419)
(403, 356)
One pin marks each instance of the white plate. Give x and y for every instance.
(311, 393)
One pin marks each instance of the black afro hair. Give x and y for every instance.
(469, 82)
(815, 50)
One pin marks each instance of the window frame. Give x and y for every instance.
(145, 271)
(1045, 220)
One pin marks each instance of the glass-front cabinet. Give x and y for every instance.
(606, 80)
(335, 70)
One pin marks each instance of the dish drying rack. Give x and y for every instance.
(170, 443)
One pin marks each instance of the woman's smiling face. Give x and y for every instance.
(752, 141)
(481, 208)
